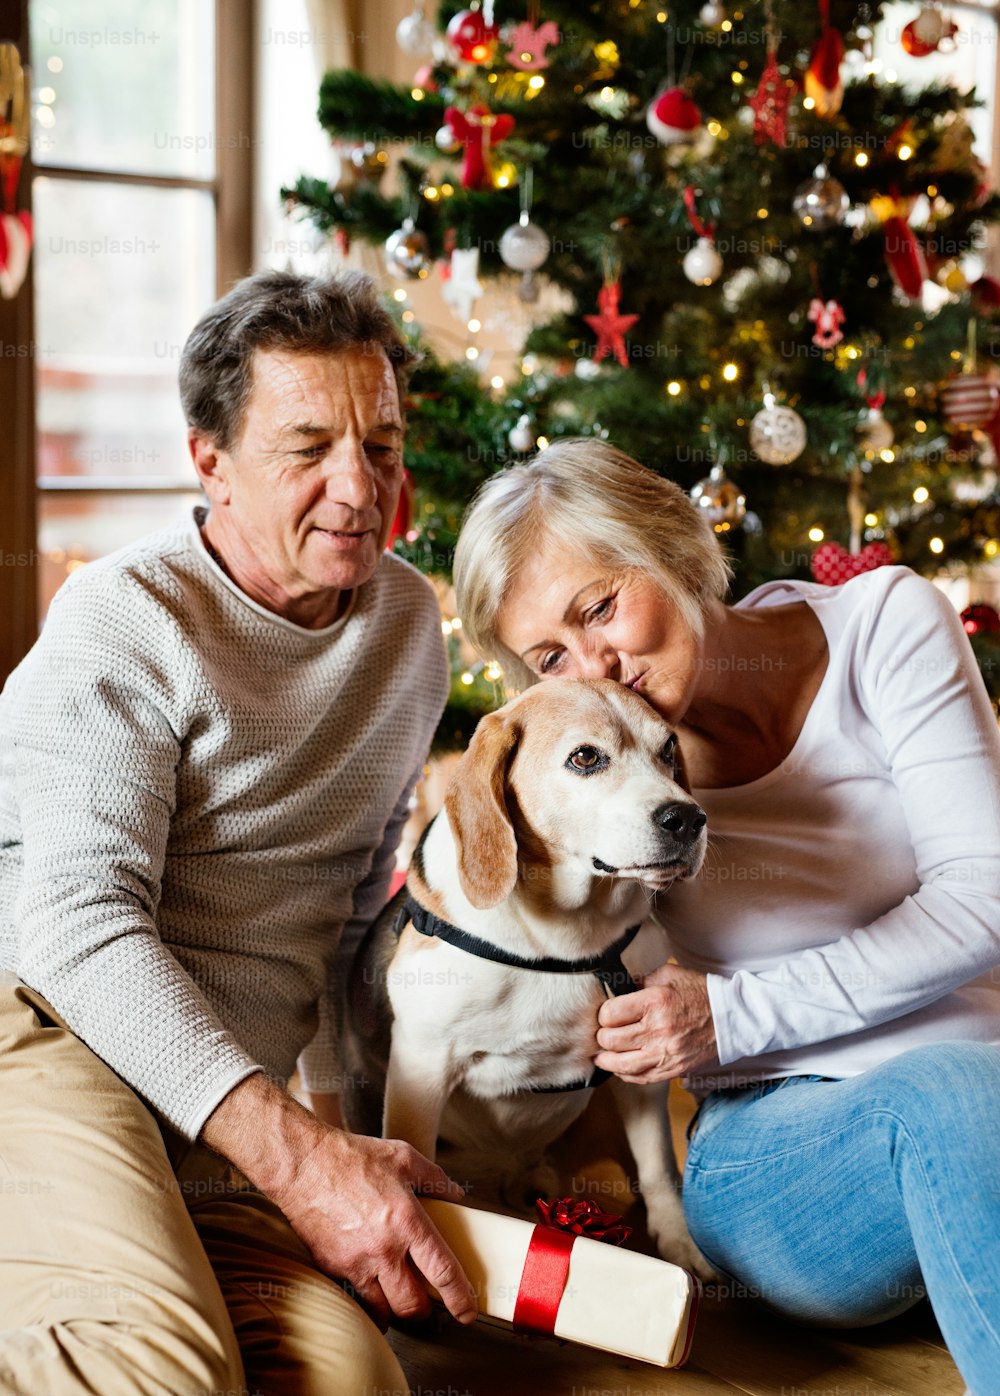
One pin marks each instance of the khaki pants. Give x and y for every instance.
(132, 1262)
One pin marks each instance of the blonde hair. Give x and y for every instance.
(594, 502)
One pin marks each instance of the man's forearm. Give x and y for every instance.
(264, 1131)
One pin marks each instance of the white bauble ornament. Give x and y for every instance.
(712, 14)
(446, 140)
(524, 246)
(777, 434)
(415, 34)
(702, 264)
(407, 252)
(521, 436)
(874, 432)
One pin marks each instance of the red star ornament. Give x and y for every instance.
(770, 106)
(609, 325)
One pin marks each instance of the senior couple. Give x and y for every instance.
(207, 760)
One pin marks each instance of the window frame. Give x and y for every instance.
(231, 189)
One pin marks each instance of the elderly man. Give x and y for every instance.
(207, 761)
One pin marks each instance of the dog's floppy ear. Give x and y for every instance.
(477, 813)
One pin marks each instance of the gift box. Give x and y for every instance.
(545, 1280)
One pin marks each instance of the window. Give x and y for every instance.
(141, 149)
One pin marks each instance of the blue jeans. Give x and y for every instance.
(844, 1202)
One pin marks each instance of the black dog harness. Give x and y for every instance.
(607, 967)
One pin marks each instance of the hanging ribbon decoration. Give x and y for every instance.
(700, 227)
(15, 228)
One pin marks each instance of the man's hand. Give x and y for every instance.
(664, 1030)
(350, 1198)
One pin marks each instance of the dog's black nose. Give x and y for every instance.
(682, 821)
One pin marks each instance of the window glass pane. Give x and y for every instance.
(74, 529)
(121, 86)
(122, 273)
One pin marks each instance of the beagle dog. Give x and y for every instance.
(471, 1008)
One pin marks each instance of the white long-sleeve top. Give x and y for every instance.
(197, 797)
(849, 907)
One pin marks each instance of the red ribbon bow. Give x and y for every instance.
(546, 1266)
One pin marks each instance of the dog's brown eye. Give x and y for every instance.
(669, 752)
(587, 759)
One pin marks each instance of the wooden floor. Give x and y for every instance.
(738, 1346)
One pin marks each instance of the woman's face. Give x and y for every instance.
(586, 620)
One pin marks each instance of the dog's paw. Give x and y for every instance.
(669, 1231)
(682, 1251)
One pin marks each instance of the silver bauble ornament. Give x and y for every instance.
(702, 264)
(874, 432)
(722, 503)
(821, 202)
(777, 434)
(524, 246)
(712, 14)
(415, 34)
(446, 140)
(521, 436)
(407, 253)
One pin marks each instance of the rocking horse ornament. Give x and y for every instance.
(15, 228)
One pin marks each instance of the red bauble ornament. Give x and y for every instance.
(980, 619)
(672, 117)
(471, 37)
(832, 564)
(913, 45)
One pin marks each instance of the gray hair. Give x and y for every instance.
(596, 503)
(279, 310)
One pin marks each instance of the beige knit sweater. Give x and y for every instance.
(197, 798)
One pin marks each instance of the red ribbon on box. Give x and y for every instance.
(546, 1266)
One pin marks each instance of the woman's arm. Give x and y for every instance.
(919, 684)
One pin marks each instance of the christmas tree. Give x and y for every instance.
(759, 238)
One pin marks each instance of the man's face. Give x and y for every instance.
(311, 487)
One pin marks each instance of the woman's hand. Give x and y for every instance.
(664, 1030)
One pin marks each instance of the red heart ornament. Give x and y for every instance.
(831, 564)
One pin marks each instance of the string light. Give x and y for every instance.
(417, 93)
(456, 622)
(808, 103)
(493, 672)
(467, 678)
(871, 520)
(888, 455)
(936, 545)
(737, 77)
(919, 425)
(399, 295)
(991, 547)
(904, 152)
(536, 83)
(921, 494)
(542, 443)
(861, 159)
(673, 387)
(475, 326)
(496, 382)
(730, 372)
(816, 534)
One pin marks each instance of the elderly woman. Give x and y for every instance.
(836, 1001)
